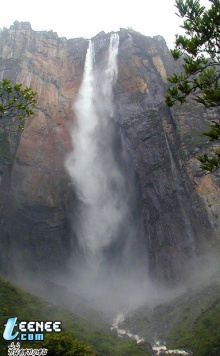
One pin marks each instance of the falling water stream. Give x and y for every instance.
(96, 175)
(102, 176)
(108, 223)
(177, 184)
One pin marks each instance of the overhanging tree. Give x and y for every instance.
(16, 105)
(200, 79)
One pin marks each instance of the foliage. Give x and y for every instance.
(16, 104)
(76, 332)
(211, 161)
(65, 345)
(201, 335)
(200, 80)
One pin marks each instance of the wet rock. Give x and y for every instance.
(180, 218)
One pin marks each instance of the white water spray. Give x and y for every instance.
(107, 263)
(108, 255)
(92, 165)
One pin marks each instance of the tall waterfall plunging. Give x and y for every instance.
(95, 173)
(109, 223)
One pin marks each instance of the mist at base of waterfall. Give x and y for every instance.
(109, 259)
(108, 268)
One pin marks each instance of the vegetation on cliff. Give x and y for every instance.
(76, 333)
(202, 336)
(16, 105)
(189, 322)
(200, 79)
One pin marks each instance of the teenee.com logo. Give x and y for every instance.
(29, 330)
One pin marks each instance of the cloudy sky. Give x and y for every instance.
(86, 18)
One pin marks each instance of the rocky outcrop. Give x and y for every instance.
(36, 213)
(176, 219)
(179, 206)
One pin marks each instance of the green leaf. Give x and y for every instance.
(199, 48)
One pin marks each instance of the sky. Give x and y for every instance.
(86, 18)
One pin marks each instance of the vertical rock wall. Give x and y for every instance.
(36, 194)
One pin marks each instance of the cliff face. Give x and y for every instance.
(179, 206)
(36, 214)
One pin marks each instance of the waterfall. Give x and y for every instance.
(93, 165)
(177, 184)
(108, 257)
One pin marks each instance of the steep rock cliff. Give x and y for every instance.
(179, 206)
